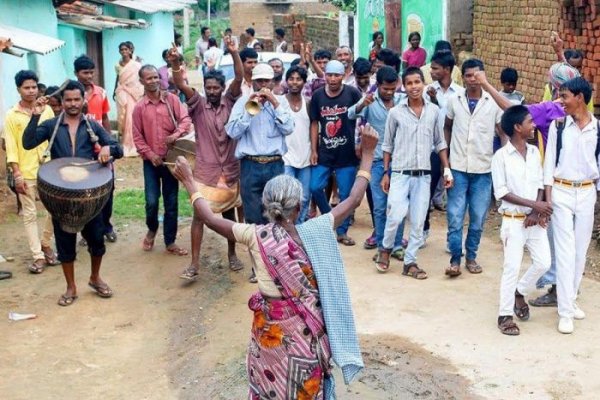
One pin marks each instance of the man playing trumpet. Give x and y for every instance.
(261, 140)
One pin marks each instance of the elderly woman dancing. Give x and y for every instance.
(302, 313)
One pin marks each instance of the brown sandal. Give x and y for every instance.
(453, 270)
(507, 326)
(176, 250)
(414, 271)
(190, 273)
(473, 267)
(37, 267)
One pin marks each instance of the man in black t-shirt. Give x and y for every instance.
(332, 141)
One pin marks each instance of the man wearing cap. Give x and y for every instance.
(261, 140)
(332, 140)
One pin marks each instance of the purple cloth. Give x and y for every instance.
(163, 73)
(543, 114)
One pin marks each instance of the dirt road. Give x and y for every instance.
(159, 338)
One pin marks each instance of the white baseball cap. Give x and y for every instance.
(262, 71)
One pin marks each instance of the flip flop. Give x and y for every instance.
(176, 250)
(148, 244)
(473, 268)
(65, 300)
(453, 271)
(190, 274)
(36, 268)
(51, 258)
(5, 275)
(235, 264)
(346, 240)
(103, 291)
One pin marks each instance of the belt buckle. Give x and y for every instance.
(577, 184)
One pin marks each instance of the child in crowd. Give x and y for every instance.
(518, 182)
(509, 78)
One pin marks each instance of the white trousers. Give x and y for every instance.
(514, 237)
(30, 220)
(572, 225)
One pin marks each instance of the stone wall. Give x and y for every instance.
(516, 34)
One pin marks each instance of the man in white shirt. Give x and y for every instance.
(518, 182)
(202, 44)
(570, 181)
(442, 88)
(213, 55)
(471, 120)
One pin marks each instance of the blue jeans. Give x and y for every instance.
(154, 178)
(253, 178)
(407, 194)
(380, 199)
(303, 175)
(318, 181)
(549, 278)
(472, 191)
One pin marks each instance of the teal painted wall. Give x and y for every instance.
(50, 68)
(74, 47)
(149, 44)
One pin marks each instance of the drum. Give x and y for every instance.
(185, 146)
(74, 190)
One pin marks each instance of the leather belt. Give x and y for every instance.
(573, 184)
(263, 159)
(414, 172)
(514, 215)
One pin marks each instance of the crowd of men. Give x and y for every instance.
(433, 138)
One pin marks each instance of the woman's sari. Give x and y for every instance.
(289, 354)
(128, 92)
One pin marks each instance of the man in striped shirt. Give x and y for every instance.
(412, 128)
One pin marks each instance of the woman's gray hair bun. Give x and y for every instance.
(281, 197)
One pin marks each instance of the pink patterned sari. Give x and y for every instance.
(129, 91)
(289, 354)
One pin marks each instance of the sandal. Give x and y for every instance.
(381, 265)
(398, 254)
(507, 326)
(147, 244)
(190, 273)
(176, 250)
(51, 257)
(521, 312)
(370, 243)
(345, 240)
(65, 300)
(102, 290)
(235, 264)
(37, 267)
(111, 236)
(453, 270)
(414, 271)
(473, 267)
(5, 275)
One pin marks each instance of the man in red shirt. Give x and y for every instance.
(97, 109)
(159, 119)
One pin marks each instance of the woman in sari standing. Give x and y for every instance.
(128, 91)
(302, 313)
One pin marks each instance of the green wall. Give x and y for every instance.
(432, 16)
(76, 45)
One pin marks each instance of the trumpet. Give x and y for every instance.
(253, 107)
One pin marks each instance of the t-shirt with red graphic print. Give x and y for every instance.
(336, 131)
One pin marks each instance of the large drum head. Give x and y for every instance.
(182, 147)
(74, 190)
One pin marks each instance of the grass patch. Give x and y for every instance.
(130, 204)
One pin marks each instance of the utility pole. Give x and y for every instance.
(208, 11)
(186, 27)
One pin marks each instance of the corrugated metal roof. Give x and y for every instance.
(97, 23)
(30, 41)
(152, 6)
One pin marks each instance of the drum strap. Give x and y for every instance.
(56, 125)
(59, 120)
(170, 108)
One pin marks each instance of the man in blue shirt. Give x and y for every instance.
(374, 109)
(261, 140)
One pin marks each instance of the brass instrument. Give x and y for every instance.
(253, 107)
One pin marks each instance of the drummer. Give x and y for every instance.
(217, 170)
(75, 128)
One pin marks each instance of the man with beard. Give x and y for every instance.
(159, 119)
(75, 137)
(344, 55)
(332, 141)
(217, 170)
(277, 65)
